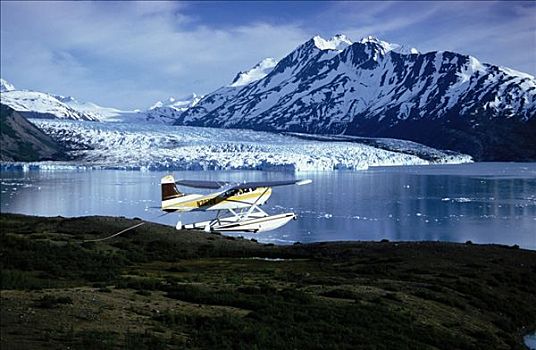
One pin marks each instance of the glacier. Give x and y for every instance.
(155, 147)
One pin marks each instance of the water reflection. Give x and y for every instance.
(451, 203)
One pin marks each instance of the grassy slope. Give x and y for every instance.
(155, 287)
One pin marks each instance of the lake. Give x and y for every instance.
(480, 202)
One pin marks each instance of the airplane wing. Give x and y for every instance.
(202, 184)
(220, 184)
(254, 185)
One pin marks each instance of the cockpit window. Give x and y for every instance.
(238, 191)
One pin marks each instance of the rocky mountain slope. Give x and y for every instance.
(21, 140)
(374, 88)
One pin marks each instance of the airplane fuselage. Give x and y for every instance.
(230, 199)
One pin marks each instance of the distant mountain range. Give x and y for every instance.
(367, 88)
(377, 89)
(34, 104)
(168, 111)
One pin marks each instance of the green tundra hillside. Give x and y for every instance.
(158, 288)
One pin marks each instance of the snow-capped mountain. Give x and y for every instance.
(162, 112)
(180, 104)
(167, 111)
(374, 88)
(259, 71)
(385, 46)
(338, 43)
(34, 104)
(5, 86)
(90, 108)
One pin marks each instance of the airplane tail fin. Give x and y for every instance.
(169, 189)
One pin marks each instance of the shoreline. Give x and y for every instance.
(287, 243)
(53, 165)
(530, 340)
(195, 289)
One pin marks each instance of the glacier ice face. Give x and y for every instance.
(152, 147)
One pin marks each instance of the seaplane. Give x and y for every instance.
(241, 201)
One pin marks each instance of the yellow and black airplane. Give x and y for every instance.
(242, 200)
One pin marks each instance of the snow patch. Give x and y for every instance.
(516, 73)
(181, 104)
(6, 86)
(386, 46)
(259, 71)
(338, 42)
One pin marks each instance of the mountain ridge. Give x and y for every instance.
(368, 88)
(376, 89)
(36, 104)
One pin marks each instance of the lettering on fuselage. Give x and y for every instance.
(210, 201)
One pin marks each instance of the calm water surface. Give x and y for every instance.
(484, 202)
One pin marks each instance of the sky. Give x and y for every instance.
(131, 54)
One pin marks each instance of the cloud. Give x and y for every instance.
(497, 32)
(129, 56)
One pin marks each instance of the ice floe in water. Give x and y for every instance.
(157, 147)
(458, 200)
